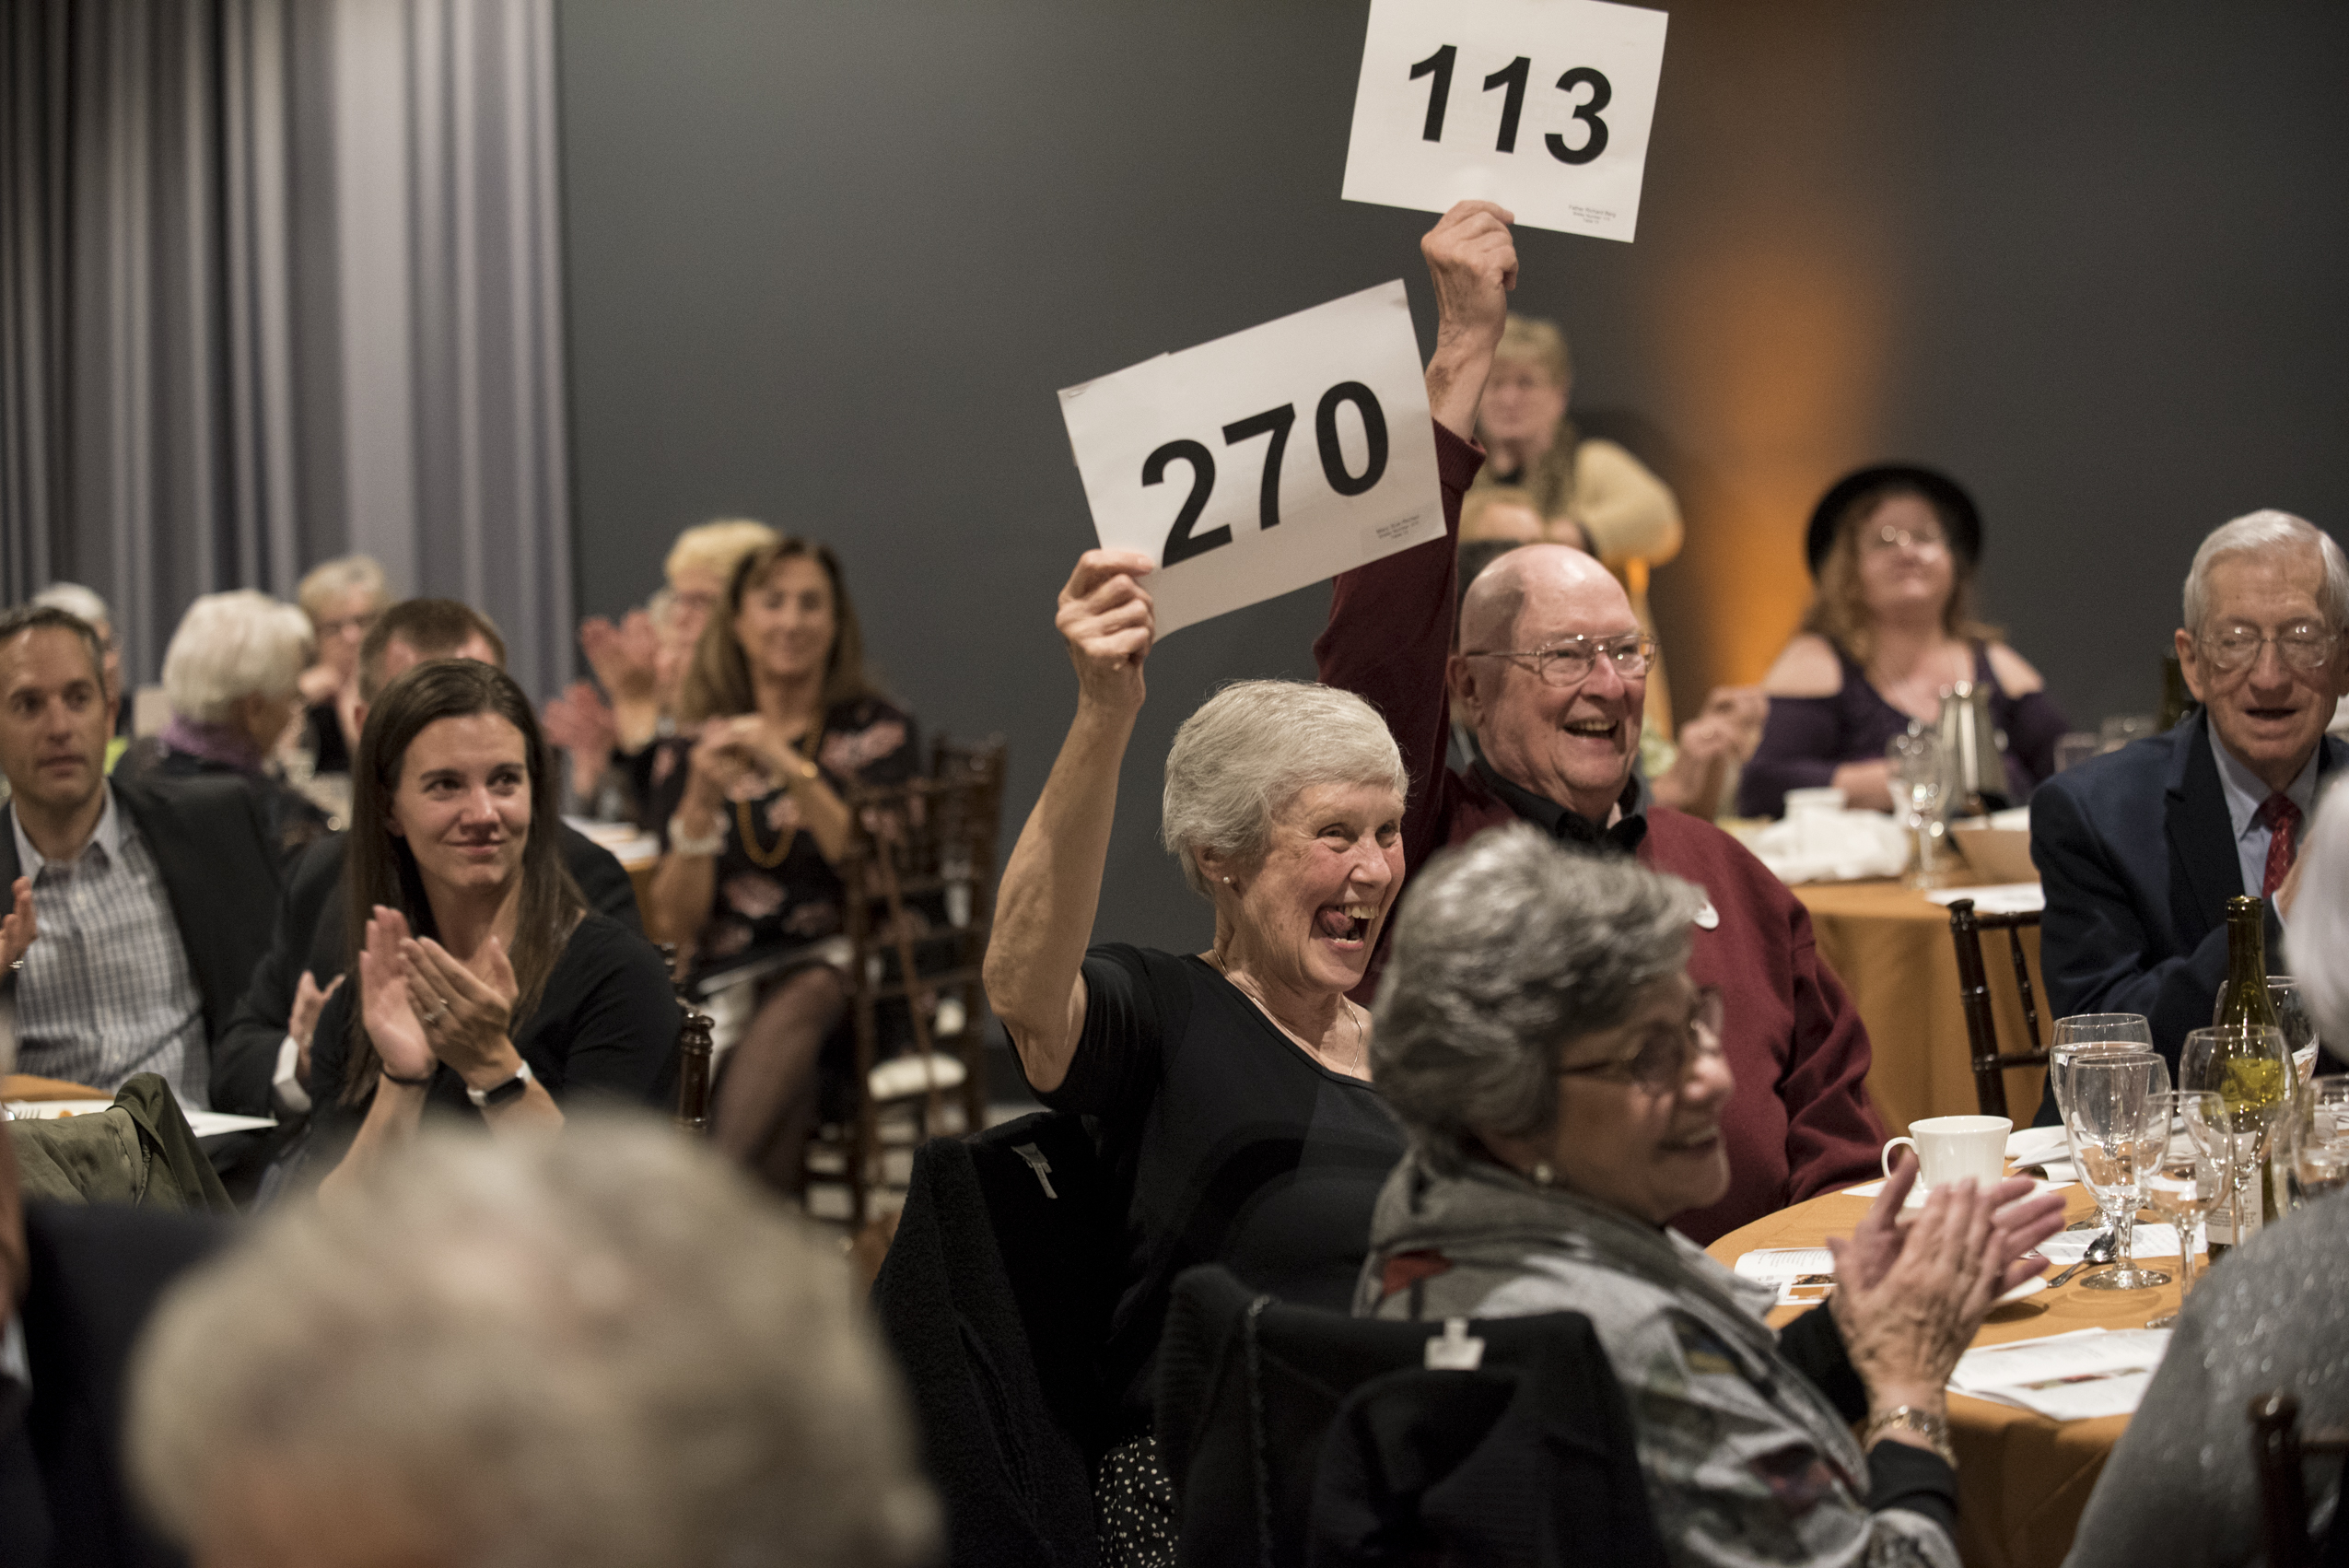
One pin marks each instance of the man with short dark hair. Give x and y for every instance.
(154, 894)
(2141, 848)
(258, 1068)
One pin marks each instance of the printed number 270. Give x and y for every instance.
(1182, 545)
(1513, 105)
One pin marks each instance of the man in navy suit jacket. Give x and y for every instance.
(2139, 850)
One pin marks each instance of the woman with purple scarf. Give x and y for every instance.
(232, 674)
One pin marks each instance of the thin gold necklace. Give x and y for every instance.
(1353, 1016)
(766, 860)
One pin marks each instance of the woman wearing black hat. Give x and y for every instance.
(1893, 551)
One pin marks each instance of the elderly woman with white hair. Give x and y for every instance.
(1561, 1083)
(602, 1350)
(2180, 1487)
(1234, 1082)
(231, 675)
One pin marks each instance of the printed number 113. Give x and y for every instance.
(1513, 77)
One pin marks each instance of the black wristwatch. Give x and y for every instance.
(504, 1094)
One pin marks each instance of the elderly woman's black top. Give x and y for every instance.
(605, 1028)
(1243, 1149)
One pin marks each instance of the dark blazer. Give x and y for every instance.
(2137, 856)
(220, 872)
(96, 1275)
(308, 935)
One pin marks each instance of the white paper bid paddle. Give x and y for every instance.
(1263, 462)
(1540, 105)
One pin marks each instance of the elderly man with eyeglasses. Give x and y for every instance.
(1551, 678)
(2141, 848)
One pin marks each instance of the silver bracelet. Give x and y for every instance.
(683, 843)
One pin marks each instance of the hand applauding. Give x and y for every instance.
(424, 1007)
(18, 929)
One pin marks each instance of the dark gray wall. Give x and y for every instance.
(828, 263)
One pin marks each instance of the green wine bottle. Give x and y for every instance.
(2244, 998)
(2254, 1081)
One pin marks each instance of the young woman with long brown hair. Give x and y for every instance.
(484, 985)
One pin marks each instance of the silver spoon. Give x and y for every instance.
(2100, 1252)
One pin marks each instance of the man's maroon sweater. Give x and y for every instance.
(1799, 1123)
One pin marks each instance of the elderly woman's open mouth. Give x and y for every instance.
(1348, 925)
(1695, 1141)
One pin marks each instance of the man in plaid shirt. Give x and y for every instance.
(154, 900)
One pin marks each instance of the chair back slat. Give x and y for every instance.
(1973, 1000)
(927, 838)
(1990, 1064)
(2284, 1500)
(2023, 984)
(2278, 1450)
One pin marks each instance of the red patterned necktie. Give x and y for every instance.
(2282, 819)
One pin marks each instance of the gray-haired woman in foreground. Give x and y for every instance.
(1561, 1085)
(1234, 1083)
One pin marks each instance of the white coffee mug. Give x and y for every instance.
(1952, 1148)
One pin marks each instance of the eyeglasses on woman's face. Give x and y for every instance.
(1570, 660)
(1659, 1062)
(1883, 541)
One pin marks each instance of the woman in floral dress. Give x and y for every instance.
(777, 721)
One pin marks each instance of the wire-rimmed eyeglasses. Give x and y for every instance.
(1570, 660)
(1661, 1063)
(2306, 646)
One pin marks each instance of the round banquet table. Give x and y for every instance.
(2022, 1479)
(1890, 946)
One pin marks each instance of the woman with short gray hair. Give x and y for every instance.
(1234, 1083)
(231, 675)
(1561, 1083)
(600, 1351)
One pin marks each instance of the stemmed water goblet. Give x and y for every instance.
(2088, 1034)
(1919, 781)
(2198, 1148)
(2320, 1134)
(2116, 1128)
(2247, 1067)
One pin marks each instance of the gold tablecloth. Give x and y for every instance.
(2022, 1479)
(1890, 946)
(25, 1086)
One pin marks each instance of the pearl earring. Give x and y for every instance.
(1227, 882)
(1543, 1175)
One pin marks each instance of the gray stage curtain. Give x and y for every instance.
(455, 465)
(279, 279)
(148, 426)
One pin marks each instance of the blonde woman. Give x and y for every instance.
(341, 598)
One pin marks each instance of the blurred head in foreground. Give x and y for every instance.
(2318, 941)
(602, 1348)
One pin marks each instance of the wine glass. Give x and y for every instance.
(2292, 1015)
(2245, 1065)
(2320, 1132)
(2118, 1130)
(2197, 1150)
(1919, 781)
(2087, 1032)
